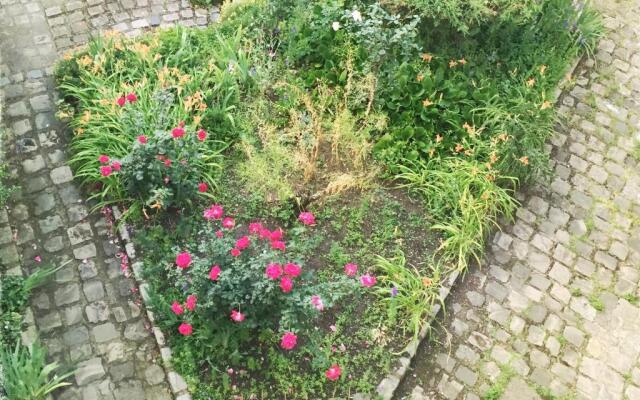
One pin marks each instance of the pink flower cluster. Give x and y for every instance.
(190, 304)
(105, 168)
(122, 100)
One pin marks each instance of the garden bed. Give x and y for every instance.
(303, 182)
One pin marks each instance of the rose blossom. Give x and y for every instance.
(333, 373)
(278, 245)
(213, 212)
(286, 284)
(255, 227)
(317, 302)
(219, 234)
(132, 98)
(228, 223)
(177, 308)
(293, 270)
(307, 218)
(177, 132)
(183, 260)
(202, 135)
(235, 252)
(185, 329)
(351, 269)
(276, 235)
(368, 280)
(105, 170)
(116, 165)
(265, 233)
(289, 341)
(273, 271)
(142, 139)
(214, 273)
(121, 101)
(202, 187)
(103, 159)
(242, 243)
(191, 302)
(237, 316)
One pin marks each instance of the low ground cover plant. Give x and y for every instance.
(304, 175)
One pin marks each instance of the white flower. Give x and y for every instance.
(335, 26)
(355, 14)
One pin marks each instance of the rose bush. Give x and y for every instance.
(240, 280)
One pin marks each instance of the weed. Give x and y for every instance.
(496, 390)
(596, 302)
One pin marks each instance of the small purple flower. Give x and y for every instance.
(394, 291)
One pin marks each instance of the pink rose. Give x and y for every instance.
(316, 301)
(276, 235)
(214, 273)
(132, 98)
(286, 284)
(289, 341)
(103, 159)
(105, 170)
(307, 218)
(235, 252)
(177, 308)
(228, 223)
(273, 271)
(255, 227)
(237, 316)
(351, 269)
(202, 187)
(293, 270)
(177, 132)
(191, 302)
(183, 260)
(242, 243)
(142, 139)
(202, 135)
(368, 280)
(333, 373)
(278, 245)
(121, 101)
(213, 212)
(185, 329)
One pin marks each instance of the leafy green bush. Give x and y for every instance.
(5, 190)
(232, 277)
(26, 374)
(118, 89)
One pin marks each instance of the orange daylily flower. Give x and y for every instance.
(452, 63)
(524, 160)
(546, 104)
(427, 57)
(420, 77)
(531, 82)
(426, 103)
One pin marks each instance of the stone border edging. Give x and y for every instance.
(388, 386)
(176, 382)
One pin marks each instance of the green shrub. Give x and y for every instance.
(26, 375)
(244, 276)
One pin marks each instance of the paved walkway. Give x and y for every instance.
(554, 311)
(90, 314)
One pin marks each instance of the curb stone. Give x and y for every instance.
(176, 382)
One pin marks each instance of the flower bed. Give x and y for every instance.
(303, 178)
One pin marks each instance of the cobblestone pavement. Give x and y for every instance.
(554, 312)
(89, 316)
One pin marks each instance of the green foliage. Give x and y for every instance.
(408, 292)
(244, 286)
(26, 374)
(179, 76)
(5, 190)
(14, 294)
(465, 200)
